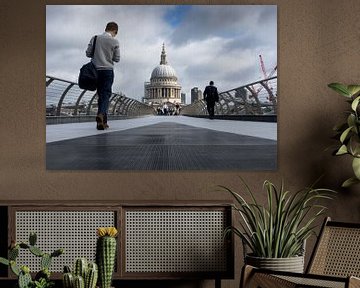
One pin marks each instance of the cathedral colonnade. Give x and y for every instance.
(165, 93)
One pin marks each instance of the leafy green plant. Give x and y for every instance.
(348, 132)
(43, 283)
(279, 229)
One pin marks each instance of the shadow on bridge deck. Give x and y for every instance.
(163, 143)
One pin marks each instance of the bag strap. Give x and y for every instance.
(93, 48)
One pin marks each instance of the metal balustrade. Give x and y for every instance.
(66, 98)
(257, 98)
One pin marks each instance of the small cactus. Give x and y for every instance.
(106, 254)
(24, 278)
(91, 276)
(79, 282)
(13, 253)
(36, 251)
(81, 265)
(84, 274)
(68, 280)
(32, 238)
(45, 261)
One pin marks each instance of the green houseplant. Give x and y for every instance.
(279, 229)
(348, 132)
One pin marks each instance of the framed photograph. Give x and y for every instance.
(177, 87)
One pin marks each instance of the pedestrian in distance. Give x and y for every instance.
(211, 96)
(107, 51)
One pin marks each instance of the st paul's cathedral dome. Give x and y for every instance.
(163, 86)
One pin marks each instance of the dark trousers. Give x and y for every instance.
(210, 105)
(105, 81)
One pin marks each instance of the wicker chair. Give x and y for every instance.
(334, 263)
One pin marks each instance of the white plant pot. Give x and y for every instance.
(291, 264)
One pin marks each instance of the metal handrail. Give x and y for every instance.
(66, 98)
(256, 98)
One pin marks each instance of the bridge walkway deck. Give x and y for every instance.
(163, 143)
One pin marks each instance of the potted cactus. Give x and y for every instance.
(106, 254)
(42, 278)
(84, 275)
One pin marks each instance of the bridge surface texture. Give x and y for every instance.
(163, 143)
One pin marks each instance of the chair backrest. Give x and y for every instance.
(337, 251)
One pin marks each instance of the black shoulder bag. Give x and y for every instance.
(88, 74)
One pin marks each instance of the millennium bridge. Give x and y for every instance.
(243, 135)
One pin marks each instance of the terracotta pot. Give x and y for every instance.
(291, 264)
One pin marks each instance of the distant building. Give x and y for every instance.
(196, 94)
(163, 86)
(183, 98)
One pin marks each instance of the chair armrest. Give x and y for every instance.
(254, 277)
(354, 282)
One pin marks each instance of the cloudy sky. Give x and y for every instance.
(216, 42)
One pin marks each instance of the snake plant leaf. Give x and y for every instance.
(356, 167)
(353, 89)
(280, 227)
(342, 150)
(355, 103)
(340, 88)
(349, 182)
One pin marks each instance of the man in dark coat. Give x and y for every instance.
(211, 96)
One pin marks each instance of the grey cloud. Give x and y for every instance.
(224, 21)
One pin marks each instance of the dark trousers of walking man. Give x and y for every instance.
(105, 81)
(210, 105)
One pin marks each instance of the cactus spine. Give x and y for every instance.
(106, 254)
